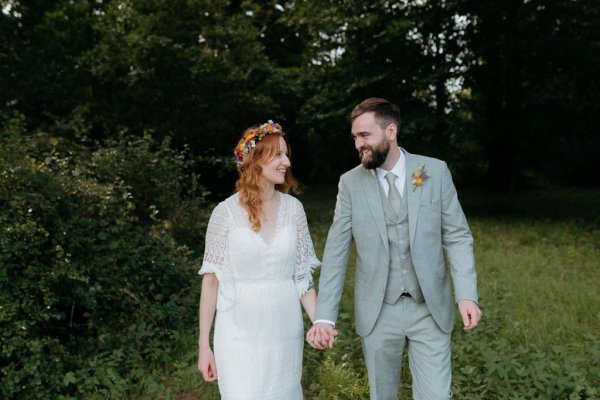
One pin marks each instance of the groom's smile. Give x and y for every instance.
(372, 157)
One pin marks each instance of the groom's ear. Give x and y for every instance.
(392, 132)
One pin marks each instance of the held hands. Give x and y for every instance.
(321, 336)
(206, 364)
(470, 313)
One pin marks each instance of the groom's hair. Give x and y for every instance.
(386, 113)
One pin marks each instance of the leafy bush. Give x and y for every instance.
(95, 278)
(489, 365)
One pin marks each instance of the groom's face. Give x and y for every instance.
(370, 141)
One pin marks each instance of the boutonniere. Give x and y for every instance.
(419, 175)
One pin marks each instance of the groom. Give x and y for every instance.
(402, 212)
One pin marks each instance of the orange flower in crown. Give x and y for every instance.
(253, 136)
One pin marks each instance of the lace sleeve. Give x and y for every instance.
(306, 259)
(216, 256)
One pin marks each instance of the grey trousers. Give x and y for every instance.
(407, 324)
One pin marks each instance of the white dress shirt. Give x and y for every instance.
(399, 170)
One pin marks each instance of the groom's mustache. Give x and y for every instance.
(364, 148)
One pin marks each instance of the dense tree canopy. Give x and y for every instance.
(505, 91)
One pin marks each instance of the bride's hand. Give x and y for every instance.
(206, 364)
(321, 336)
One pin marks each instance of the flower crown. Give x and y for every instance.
(251, 137)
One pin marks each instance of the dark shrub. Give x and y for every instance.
(95, 286)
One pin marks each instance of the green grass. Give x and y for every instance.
(538, 259)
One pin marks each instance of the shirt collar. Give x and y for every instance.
(399, 169)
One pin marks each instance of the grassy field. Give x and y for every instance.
(538, 259)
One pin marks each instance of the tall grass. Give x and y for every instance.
(538, 269)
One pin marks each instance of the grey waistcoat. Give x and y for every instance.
(401, 276)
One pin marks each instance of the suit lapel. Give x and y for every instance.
(413, 197)
(373, 194)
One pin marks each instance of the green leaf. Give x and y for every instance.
(69, 378)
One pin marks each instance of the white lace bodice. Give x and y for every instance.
(234, 252)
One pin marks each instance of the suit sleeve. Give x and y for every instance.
(335, 257)
(457, 241)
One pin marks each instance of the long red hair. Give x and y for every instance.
(250, 172)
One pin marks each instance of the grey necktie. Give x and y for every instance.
(393, 194)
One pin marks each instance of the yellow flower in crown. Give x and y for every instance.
(253, 136)
(418, 177)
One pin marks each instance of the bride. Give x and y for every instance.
(257, 271)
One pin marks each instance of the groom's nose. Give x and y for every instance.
(358, 143)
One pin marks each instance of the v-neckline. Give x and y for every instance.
(262, 239)
(277, 224)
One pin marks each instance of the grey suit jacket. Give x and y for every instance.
(437, 225)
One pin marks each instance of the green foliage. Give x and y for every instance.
(95, 287)
(491, 87)
(41, 46)
(338, 381)
(182, 68)
(530, 88)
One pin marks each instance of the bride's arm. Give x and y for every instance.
(309, 303)
(207, 309)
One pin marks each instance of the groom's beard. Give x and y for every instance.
(375, 156)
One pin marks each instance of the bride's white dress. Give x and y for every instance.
(259, 333)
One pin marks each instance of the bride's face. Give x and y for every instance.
(273, 171)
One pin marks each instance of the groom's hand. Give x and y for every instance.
(470, 313)
(321, 336)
